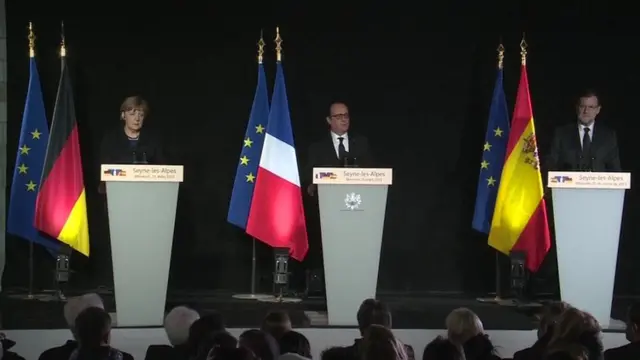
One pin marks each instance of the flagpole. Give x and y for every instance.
(281, 275)
(32, 54)
(498, 279)
(253, 295)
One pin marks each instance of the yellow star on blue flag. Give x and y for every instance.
(32, 148)
(247, 171)
(493, 154)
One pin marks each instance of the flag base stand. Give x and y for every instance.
(282, 300)
(489, 299)
(253, 295)
(44, 296)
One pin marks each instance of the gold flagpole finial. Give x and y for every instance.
(500, 56)
(278, 42)
(523, 50)
(63, 45)
(32, 41)
(261, 45)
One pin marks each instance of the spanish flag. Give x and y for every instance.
(61, 207)
(520, 216)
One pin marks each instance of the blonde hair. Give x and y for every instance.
(134, 103)
(463, 324)
(571, 325)
(570, 329)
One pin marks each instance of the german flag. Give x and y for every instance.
(61, 207)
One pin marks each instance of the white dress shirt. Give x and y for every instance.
(581, 132)
(336, 142)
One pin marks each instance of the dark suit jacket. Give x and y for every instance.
(353, 352)
(566, 151)
(116, 148)
(323, 154)
(64, 352)
(167, 352)
(629, 351)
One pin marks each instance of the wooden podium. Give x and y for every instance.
(587, 212)
(353, 203)
(142, 201)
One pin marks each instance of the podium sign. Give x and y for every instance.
(587, 209)
(352, 210)
(142, 202)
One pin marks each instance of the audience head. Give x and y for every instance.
(373, 312)
(633, 323)
(178, 322)
(462, 325)
(212, 343)
(93, 326)
(276, 323)
(203, 330)
(549, 316)
(76, 305)
(442, 349)
(380, 344)
(575, 333)
(263, 344)
(294, 342)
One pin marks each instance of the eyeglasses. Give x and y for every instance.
(340, 116)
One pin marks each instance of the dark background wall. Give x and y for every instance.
(418, 80)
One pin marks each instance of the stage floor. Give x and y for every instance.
(409, 311)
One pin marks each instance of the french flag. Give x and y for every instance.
(277, 214)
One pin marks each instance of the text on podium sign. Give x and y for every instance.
(589, 180)
(142, 173)
(352, 176)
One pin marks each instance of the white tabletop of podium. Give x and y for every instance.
(587, 212)
(352, 203)
(142, 202)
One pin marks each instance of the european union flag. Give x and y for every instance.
(34, 136)
(494, 151)
(250, 156)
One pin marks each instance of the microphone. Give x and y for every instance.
(134, 157)
(144, 157)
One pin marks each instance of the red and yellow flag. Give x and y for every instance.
(61, 206)
(520, 217)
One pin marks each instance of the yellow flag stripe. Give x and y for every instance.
(75, 231)
(519, 194)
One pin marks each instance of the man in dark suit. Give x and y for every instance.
(583, 145)
(338, 148)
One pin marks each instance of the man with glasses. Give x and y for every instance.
(339, 147)
(583, 146)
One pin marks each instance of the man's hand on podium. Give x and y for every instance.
(311, 189)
